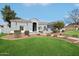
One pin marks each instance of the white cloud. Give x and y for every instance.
(33, 4)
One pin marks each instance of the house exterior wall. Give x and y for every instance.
(15, 25)
(0, 30)
(5, 29)
(42, 27)
(26, 26)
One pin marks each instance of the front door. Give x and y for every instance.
(34, 26)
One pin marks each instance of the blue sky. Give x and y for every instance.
(43, 11)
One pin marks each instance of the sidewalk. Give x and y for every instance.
(70, 39)
(73, 39)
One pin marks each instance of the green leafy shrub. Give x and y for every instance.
(55, 31)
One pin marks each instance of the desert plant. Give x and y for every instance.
(27, 33)
(55, 35)
(48, 34)
(17, 33)
(41, 31)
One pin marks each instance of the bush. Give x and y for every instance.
(58, 24)
(17, 33)
(41, 31)
(27, 33)
(55, 35)
(63, 30)
(48, 34)
(55, 31)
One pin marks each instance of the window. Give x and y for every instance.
(45, 28)
(39, 28)
(16, 23)
(21, 28)
(2, 26)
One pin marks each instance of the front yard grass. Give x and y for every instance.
(73, 33)
(2, 34)
(38, 46)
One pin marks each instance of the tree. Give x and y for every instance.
(8, 14)
(58, 25)
(74, 15)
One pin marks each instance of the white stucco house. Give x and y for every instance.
(33, 25)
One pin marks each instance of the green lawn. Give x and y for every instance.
(2, 34)
(38, 46)
(73, 33)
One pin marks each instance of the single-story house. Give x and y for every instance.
(32, 25)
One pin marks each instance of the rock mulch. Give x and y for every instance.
(22, 36)
(12, 37)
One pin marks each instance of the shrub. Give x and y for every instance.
(63, 30)
(48, 34)
(41, 31)
(55, 31)
(55, 35)
(58, 24)
(17, 33)
(27, 33)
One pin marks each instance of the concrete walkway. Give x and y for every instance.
(70, 39)
(73, 39)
